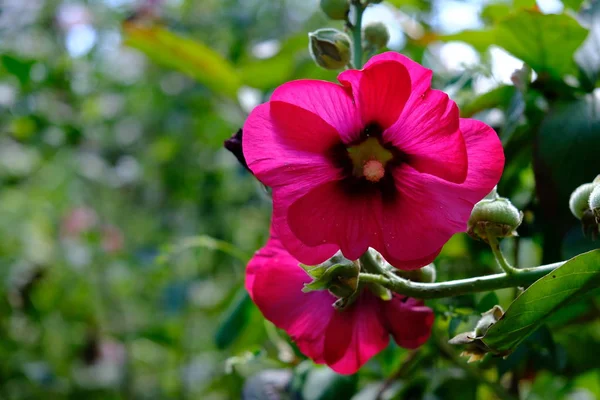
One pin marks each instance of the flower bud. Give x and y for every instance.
(497, 217)
(475, 348)
(594, 202)
(335, 9)
(579, 201)
(338, 275)
(330, 48)
(376, 34)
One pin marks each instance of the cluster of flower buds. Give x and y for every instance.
(494, 216)
(331, 48)
(585, 206)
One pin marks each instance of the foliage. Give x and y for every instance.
(125, 226)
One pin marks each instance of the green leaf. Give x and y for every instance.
(546, 42)
(568, 147)
(235, 319)
(189, 56)
(497, 97)
(17, 67)
(487, 302)
(565, 284)
(588, 55)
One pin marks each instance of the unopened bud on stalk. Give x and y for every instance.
(579, 201)
(338, 275)
(594, 202)
(335, 9)
(497, 217)
(376, 34)
(330, 48)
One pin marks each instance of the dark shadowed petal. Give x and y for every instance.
(355, 335)
(331, 102)
(309, 255)
(381, 91)
(328, 214)
(408, 320)
(428, 133)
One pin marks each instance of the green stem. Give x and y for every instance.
(495, 246)
(357, 55)
(521, 277)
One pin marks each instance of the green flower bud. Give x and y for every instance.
(579, 201)
(594, 202)
(330, 48)
(335, 9)
(338, 275)
(376, 34)
(497, 217)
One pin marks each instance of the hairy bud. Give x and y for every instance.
(497, 217)
(330, 48)
(579, 201)
(376, 34)
(594, 202)
(335, 9)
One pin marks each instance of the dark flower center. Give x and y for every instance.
(367, 163)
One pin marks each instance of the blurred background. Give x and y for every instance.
(125, 225)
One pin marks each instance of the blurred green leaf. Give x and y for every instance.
(566, 153)
(235, 319)
(588, 55)
(565, 284)
(183, 54)
(487, 302)
(545, 42)
(18, 67)
(497, 97)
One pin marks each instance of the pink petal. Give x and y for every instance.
(408, 320)
(355, 335)
(301, 129)
(435, 209)
(331, 102)
(276, 288)
(381, 91)
(329, 214)
(428, 133)
(276, 156)
(486, 159)
(272, 252)
(420, 77)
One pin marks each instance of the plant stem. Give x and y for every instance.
(495, 246)
(521, 277)
(357, 55)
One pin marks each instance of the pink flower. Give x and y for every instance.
(380, 161)
(344, 340)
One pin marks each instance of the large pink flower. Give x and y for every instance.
(344, 340)
(380, 161)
